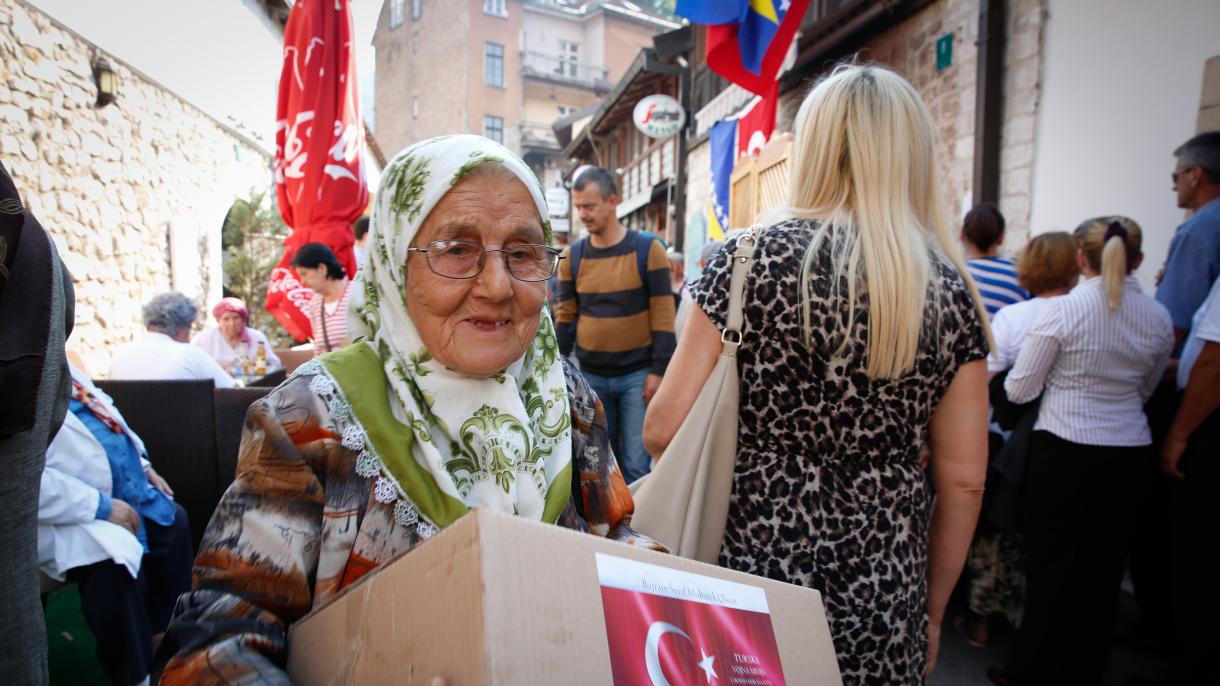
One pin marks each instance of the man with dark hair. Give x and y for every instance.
(616, 308)
(1194, 254)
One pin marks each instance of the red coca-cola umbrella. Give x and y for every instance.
(319, 145)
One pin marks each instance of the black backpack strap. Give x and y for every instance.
(574, 260)
(643, 244)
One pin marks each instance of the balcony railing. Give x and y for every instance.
(536, 134)
(564, 69)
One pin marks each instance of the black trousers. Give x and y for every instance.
(1078, 510)
(1196, 539)
(124, 612)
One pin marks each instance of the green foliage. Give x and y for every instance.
(253, 239)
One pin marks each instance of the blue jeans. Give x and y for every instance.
(623, 399)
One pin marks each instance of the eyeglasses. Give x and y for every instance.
(465, 259)
(1179, 172)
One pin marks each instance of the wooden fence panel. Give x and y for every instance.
(761, 182)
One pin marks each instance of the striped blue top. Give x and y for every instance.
(996, 278)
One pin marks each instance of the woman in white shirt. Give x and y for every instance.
(1046, 268)
(1094, 355)
(233, 344)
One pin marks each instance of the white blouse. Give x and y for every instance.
(1009, 328)
(1098, 366)
(228, 357)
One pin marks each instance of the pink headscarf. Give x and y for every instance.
(234, 305)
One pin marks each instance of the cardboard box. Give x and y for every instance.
(495, 599)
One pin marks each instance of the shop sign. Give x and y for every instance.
(557, 201)
(659, 116)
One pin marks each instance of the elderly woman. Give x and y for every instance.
(455, 396)
(164, 353)
(233, 344)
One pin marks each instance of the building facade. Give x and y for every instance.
(1078, 128)
(505, 69)
(134, 194)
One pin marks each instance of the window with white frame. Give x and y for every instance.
(569, 58)
(493, 128)
(496, 7)
(398, 11)
(493, 64)
(417, 8)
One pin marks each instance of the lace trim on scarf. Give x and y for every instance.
(369, 463)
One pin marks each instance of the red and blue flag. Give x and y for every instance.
(747, 40)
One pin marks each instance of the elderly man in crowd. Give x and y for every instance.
(165, 352)
(107, 521)
(1194, 254)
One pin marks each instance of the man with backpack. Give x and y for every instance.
(616, 308)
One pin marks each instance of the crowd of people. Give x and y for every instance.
(912, 404)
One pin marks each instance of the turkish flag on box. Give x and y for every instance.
(319, 146)
(690, 630)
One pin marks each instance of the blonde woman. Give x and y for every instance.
(1094, 355)
(862, 345)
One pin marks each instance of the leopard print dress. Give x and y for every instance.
(828, 491)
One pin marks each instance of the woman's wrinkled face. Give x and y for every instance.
(477, 326)
(231, 324)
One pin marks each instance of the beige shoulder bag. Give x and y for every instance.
(684, 502)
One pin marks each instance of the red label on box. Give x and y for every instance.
(671, 628)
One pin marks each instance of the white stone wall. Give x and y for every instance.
(909, 48)
(112, 185)
(1026, 22)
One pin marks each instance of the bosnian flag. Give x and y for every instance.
(723, 157)
(667, 627)
(747, 40)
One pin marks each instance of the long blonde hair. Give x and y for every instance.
(1111, 246)
(864, 165)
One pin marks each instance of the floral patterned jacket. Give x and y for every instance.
(302, 521)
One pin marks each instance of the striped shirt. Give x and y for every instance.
(616, 322)
(1098, 366)
(996, 278)
(329, 322)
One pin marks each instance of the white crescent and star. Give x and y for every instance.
(652, 660)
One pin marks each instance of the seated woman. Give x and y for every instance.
(233, 343)
(370, 450)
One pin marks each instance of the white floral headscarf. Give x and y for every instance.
(495, 442)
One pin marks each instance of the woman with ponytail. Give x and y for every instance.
(863, 346)
(1094, 355)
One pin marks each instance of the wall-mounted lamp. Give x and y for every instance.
(107, 82)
